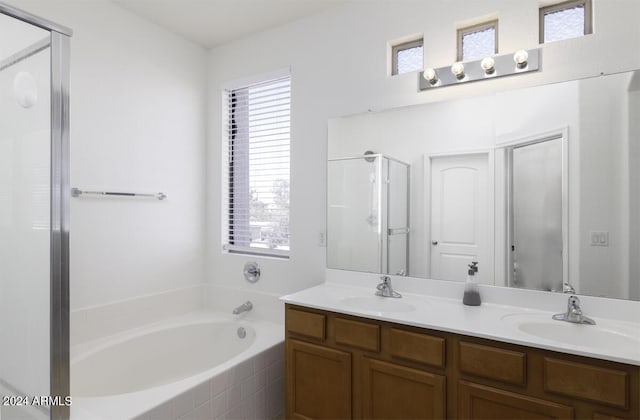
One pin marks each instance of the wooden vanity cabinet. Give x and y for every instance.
(340, 367)
(322, 379)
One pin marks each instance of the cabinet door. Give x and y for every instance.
(391, 391)
(318, 382)
(483, 402)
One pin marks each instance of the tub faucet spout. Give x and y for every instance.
(245, 307)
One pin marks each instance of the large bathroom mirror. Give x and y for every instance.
(540, 185)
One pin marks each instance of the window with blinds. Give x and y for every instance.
(258, 134)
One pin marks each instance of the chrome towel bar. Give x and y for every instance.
(76, 192)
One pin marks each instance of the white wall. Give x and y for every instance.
(339, 67)
(138, 121)
(604, 185)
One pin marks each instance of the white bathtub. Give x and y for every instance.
(194, 364)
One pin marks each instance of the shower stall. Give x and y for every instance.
(368, 214)
(34, 216)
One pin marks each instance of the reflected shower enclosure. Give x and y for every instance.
(34, 212)
(536, 213)
(368, 214)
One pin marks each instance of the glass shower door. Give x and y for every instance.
(398, 218)
(32, 158)
(537, 243)
(354, 219)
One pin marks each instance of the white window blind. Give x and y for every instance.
(257, 153)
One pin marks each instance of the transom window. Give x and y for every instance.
(407, 57)
(565, 20)
(256, 183)
(478, 41)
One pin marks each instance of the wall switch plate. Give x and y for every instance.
(322, 238)
(599, 238)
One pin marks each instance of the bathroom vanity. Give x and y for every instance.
(340, 364)
(518, 189)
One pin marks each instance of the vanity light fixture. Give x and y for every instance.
(457, 69)
(487, 68)
(488, 64)
(430, 76)
(521, 58)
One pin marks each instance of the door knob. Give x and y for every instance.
(434, 242)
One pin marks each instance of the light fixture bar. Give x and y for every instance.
(503, 65)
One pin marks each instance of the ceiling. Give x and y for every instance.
(214, 22)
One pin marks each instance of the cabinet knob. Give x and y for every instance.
(434, 242)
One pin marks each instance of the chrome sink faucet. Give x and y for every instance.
(245, 307)
(385, 289)
(568, 288)
(574, 313)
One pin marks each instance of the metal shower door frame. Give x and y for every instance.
(60, 199)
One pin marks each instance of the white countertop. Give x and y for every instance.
(490, 320)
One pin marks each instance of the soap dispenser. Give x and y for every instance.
(471, 293)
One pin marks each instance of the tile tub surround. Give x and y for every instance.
(438, 306)
(240, 383)
(254, 378)
(254, 389)
(116, 317)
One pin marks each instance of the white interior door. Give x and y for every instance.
(461, 217)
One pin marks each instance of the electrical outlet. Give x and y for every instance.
(322, 238)
(599, 238)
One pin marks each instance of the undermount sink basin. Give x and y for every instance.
(604, 335)
(378, 304)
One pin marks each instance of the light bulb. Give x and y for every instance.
(430, 76)
(458, 70)
(520, 57)
(488, 65)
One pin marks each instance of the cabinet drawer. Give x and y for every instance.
(417, 347)
(602, 385)
(306, 323)
(357, 334)
(493, 363)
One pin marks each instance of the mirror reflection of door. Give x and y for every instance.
(461, 217)
(536, 213)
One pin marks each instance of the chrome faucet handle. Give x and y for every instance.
(573, 305)
(386, 283)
